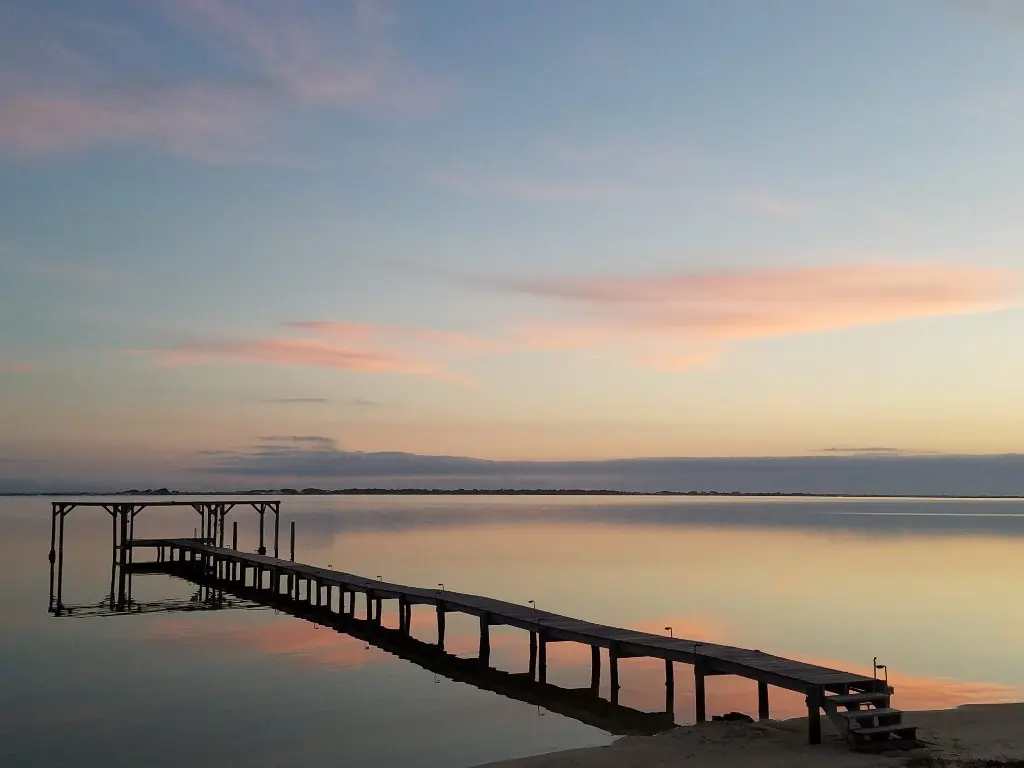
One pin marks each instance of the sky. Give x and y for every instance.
(236, 232)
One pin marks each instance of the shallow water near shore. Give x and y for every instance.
(930, 587)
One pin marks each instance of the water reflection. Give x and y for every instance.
(583, 705)
(849, 515)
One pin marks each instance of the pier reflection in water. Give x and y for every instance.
(215, 594)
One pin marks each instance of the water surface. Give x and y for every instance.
(930, 587)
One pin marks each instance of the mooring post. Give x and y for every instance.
(440, 626)
(292, 554)
(60, 563)
(402, 605)
(698, 691)
(533, 655)
(123, 511)
(262, 550)
(131, 535)
(485, 639)
(542, 660)
(53, 548)
(595, 668)
(762, 701)
(277, 526)
(670, 689)
(814, 697)
(613, 674)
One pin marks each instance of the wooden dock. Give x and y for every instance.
(858, 705)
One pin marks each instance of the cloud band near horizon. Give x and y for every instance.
(672, 322)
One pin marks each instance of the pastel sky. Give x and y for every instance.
(538, 230)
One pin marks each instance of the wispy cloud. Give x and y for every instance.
(18, 366)
(298, 352)
(308, 442)
(208, 122)
(357, 347)
(753, 303)
(284, 59)
(296, 400)
(361, 402)
(319, 60)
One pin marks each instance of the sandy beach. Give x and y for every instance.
(971, 735)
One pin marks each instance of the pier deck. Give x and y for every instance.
(713, 658)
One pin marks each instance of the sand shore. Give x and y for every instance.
(970, 735)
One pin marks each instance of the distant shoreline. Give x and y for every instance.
(504, 492)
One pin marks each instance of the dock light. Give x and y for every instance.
(669, 630)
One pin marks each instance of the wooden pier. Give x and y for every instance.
(858, 705)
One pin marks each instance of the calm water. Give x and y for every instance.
(934, 589)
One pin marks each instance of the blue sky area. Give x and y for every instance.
(529, 231)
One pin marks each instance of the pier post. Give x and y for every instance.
(440, 626)
(485, 639)
(234, 544)
(699, 693)
(403, 622)
(223, 515)
(292, 555)
(542, 661)
(60, 563)
(595, 669)
(277, 526)
(131, 534)
(122, 511)
(533, 655)
(53, 548)
(670, 689)
(814, 698)
(263, 549)
(613, 672)
(762, 701)
(379, 608)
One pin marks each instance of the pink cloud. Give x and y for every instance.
(291, 61)
(358, 347)
(323, 62)
(206, 122)
(301, 352)
(743, 304)
(18, 366)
